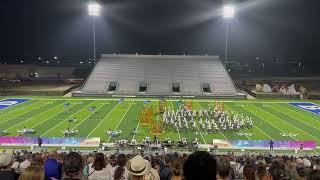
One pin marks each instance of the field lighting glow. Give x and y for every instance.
(228, 11)
(94, 9)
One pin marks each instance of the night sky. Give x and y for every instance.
(289, 28)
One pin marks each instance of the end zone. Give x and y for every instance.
(311, 107)
(11, 102)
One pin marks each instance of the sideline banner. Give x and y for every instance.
(27, 141)
(264, 144)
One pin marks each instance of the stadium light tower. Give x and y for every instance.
(228, 14)
(94, 10)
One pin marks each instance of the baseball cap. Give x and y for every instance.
(72, 163)
(6, 157)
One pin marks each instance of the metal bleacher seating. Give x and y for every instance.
(159, 72)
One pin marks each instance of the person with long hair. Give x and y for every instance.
(98, 170)
(120, 170)
(32, 173)
(249, 172)
(176, 169)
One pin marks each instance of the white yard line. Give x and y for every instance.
(253, 124)
(23, 113)
(49, 117)
(91, 114)
(201, 135)
(33, 116)
(65, 119)
(178, 128)
(219, 128)
(103, 119)
(289, 124)
(121, 119)
(134, 135)
(23, 107)
(287, 109)
(267, 122)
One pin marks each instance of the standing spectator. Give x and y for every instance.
(200, 165)
(6, 160)
(52, 167)
(120, 171)
(271, 145)
(32, 173)
(39, 142)
(72, 166)
(98, 170)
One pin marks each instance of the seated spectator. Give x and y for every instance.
(314, 175)
(200, 165)
(52, 167)
(301, 173)
(140, 169)
(120, 171)
(277, 171)
(176, 169)
(165, 167)
(249, 173)
(27, 162)
(32, 173)
(72, 166)
(6, 160)
(224, 168)
(290, 170)
(99, 170)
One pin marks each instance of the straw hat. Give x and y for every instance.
(138, 166)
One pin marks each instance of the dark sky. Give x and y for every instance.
(63, 28)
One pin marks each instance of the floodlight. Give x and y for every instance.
(228, 11)
(94, 9)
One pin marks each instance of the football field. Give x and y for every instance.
(277, 120)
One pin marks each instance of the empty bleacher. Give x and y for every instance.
(194, 75)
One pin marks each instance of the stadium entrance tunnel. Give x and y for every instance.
(206, 88)
(143, 85)
(112, 86)
(176, 87)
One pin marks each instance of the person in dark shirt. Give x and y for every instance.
(39, 142)
(6, 160)
(271, 145)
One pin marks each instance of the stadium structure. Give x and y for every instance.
(159, 76)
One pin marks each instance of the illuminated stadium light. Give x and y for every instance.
(94, 9)
(228, 11)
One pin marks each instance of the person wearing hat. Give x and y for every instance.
(72, 166)
(140, 169)
(6, 160)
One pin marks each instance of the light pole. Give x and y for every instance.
(94, 11)
(228, 14)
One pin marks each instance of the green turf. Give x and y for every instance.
(48, 116)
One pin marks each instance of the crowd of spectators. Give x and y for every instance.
(199, 165)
